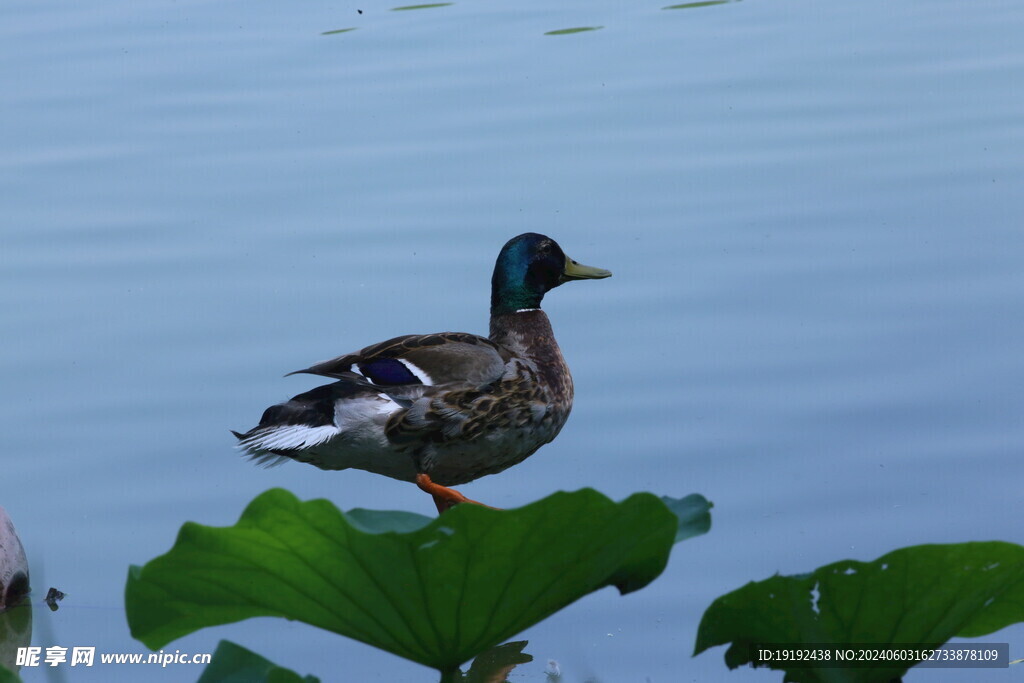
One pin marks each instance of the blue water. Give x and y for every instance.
(813, 212)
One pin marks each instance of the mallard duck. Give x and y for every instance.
(440, 409)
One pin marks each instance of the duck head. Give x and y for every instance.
(528, 267)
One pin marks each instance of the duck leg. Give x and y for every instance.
(444, 497)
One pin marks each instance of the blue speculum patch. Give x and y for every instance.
(388, 371)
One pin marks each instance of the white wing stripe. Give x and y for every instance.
(417, 372)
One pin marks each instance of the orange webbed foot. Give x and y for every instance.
(444, 497)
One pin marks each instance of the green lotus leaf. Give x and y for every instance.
(694, 513)
(15, 633)
(381, 521)
(233, 663)
(922, 595)
(436, 591)
(8, 676)
(496, 663)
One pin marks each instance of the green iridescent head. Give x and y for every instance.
(528, 267)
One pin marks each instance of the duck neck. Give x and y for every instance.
(526, 333)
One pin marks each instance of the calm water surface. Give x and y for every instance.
(813, 212)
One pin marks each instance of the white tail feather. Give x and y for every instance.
(288, 438)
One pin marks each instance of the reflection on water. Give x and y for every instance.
(704, 3)
(427, 6)
(578, 29)
(555, 32)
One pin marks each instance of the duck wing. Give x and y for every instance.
(421, 359)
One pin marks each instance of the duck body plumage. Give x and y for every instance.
(452, 405)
